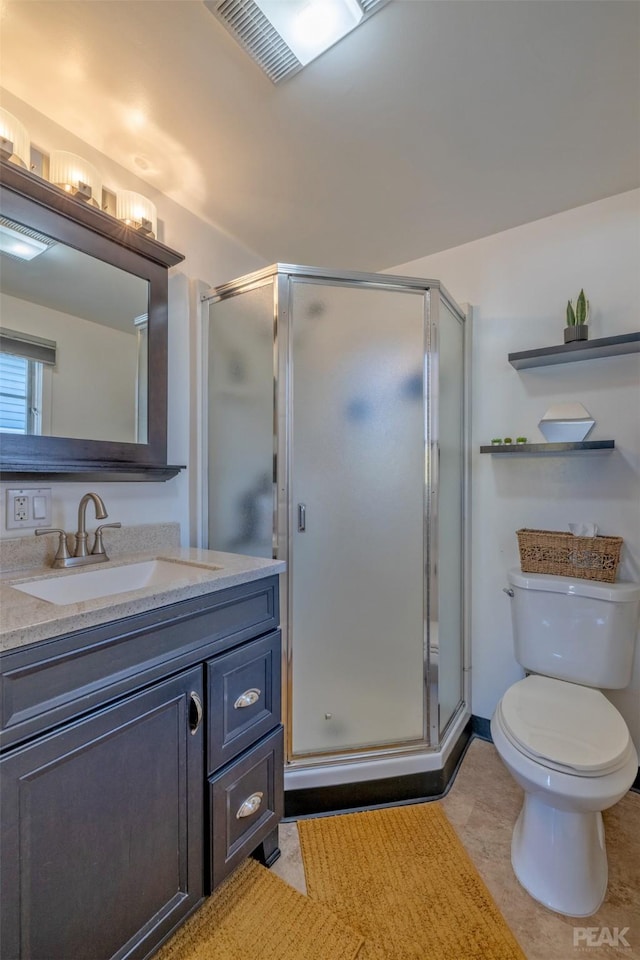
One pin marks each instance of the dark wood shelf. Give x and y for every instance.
(580, 350)
(48, 471)
(511, 449)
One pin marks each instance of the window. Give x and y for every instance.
(20, 395)
(23, 358)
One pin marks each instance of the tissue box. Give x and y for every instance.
(565, 555)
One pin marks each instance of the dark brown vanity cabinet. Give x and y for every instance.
(161, 778)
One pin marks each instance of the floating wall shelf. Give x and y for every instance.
(580, 350)
(513, 449)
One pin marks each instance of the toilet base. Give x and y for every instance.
(560, 858)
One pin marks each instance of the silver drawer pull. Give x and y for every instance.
(250, 805)
(248, 698)
(195, 712)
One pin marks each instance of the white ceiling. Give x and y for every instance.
(436, 122)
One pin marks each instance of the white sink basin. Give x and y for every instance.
(107, 582)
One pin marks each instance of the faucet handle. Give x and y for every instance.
(98, 545)
(63, 550)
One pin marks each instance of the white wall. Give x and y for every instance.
(519, 282)
(211, 256)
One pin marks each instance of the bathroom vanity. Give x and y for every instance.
(142, 754)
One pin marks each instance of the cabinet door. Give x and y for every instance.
(103, 829)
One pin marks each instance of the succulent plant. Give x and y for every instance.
(508, 440)
(579, 315)
(497, 440)
(521, 439)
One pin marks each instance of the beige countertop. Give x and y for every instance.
(25, 619)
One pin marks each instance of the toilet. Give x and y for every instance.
(560, 738)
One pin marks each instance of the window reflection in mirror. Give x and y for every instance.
(73, 342)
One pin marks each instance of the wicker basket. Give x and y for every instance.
(565, 555)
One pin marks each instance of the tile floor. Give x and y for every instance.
(483, 804)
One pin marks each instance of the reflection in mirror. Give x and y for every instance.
(240, 423)
(73, 342)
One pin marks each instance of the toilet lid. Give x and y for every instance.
(565, 725)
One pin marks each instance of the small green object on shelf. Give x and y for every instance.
(577, 320)
(582, 309)
(580, 315)
(508, 440)
(521, 439)
(571, 316)
(497, 441)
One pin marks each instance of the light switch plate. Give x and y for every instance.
(28, 508)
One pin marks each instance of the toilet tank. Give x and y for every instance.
(577, 630)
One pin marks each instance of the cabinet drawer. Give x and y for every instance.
(243, 698)
(246, 804)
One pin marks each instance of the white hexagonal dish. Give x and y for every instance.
(566, 423)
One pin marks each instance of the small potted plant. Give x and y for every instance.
(508, 440)
(577, 320)
(496, 442)
(521, 439)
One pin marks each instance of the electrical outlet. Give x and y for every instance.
(28, 508)
(21, 508)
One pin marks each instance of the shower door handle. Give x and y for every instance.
(302, 518)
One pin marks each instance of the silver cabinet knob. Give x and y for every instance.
(248, 698)
(250, 806)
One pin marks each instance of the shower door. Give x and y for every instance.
(357, 528)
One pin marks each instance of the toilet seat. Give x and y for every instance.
(564, 726)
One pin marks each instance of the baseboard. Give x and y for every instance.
(481, 727)
(347, 797)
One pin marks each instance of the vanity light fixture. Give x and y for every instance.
(21, 243)
(282, 36)
(15, 144)
(76, 176)
(137, 212)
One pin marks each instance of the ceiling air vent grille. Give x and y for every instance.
(370, 6)
(26, 231)
(246, 21)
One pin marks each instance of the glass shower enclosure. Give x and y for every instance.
(336, 435)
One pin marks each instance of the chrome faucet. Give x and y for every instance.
(80, 554)
(81, 535)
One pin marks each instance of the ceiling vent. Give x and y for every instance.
(21, 243)
(250, 24)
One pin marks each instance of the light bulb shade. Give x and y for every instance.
(16, 144)
(76, 176)
(137, 212)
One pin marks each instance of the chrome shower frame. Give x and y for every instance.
(281, 276)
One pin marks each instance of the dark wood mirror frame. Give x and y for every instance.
(34, 202)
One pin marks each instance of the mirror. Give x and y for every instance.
(73, 350)
(83, 339)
